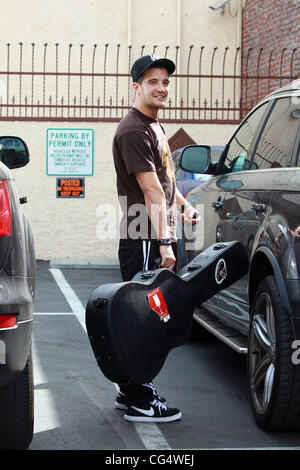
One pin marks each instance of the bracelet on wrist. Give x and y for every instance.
(164, 241)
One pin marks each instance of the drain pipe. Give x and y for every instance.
(178, 43)
(129, 22)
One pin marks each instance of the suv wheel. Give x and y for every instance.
(16, 411)
(272, 377)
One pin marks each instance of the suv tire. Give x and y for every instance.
(16, 411)
(273, 380)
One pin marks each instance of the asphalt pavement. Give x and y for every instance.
(74, 402)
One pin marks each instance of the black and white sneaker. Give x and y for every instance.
(120, 402)
(155, 412)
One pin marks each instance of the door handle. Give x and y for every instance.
(260, 207)
(232, 215)
(218, 204)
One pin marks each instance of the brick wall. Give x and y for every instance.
(271, 33)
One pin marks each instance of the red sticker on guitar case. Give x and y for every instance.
(158, 304)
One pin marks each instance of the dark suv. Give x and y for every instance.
(17, 287)
(254, 196)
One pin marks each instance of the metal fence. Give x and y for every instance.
(92, 83)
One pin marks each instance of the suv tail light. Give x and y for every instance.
(8, 321)
(5, 209)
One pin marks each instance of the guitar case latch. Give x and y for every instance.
(101, 302)
(147, 274)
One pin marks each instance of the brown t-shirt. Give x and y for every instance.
(140, 145)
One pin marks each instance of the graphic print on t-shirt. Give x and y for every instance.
(166, 157)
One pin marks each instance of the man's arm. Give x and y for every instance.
(156, 207)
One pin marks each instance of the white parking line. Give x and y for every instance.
(44, 402)
(149, 433)
(151, 436)
(71, 297)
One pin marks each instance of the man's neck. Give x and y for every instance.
(149, 112)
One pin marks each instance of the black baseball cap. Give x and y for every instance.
(150, 60)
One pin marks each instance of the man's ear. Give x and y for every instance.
(135, 86)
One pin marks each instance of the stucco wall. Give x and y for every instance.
(135, 22)
(68, 227)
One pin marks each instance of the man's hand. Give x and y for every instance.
(167, 256)
(190, 215)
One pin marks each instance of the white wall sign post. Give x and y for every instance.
(70, 152)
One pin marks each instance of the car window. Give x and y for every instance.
(216, 153)
(238, 156)
(276, 145)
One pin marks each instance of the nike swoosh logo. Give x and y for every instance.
(149, 412)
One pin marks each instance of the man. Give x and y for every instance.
(149, 200)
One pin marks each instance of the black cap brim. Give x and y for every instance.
(144, 63)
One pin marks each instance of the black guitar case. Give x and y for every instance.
(133, 325)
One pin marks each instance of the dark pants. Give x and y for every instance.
(135, 256)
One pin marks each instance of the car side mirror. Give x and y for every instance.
(195, 158)
(13, 152)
